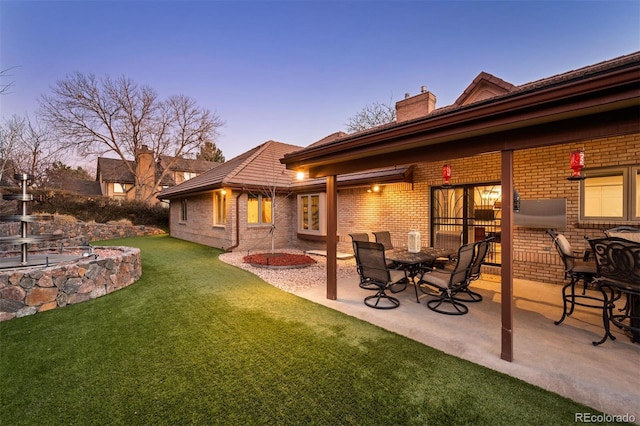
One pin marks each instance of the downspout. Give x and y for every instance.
(237, 225)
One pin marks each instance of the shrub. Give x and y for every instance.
(99, 209)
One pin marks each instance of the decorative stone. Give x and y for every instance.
(48, 306)
(13, 293)
(38, 296)
(10, 306)
(28, 310)
(72, 285)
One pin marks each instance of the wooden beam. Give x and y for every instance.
(506, 238)
(332, 238)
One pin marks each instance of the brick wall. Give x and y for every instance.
(399, 208)
(199, 226)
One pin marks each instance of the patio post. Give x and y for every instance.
(332, 238)
(506, 239)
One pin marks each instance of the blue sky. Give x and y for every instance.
(295, 71)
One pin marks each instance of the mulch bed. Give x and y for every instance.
(282, 260)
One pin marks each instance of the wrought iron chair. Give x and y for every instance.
(626, 232)
(372, 267)
(450, 283)
(577, 269)
(362, 236)
(481, 248)
(618, 264)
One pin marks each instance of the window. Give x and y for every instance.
(219, 207)
(189, 175)
(610, 194)
(183, 212)
(310, 217)
(259, 209)
(119, 188)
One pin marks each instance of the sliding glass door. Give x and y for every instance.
(467, 213)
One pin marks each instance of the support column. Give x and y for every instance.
(506, 236)
(332, 238)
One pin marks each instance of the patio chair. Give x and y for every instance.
(576, 269)
(372, 267)
(626, 232)
(618, 264)
(450, 282)
(481, 248)
(363, 236)
(384, 238)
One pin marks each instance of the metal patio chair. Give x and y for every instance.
(450, 282)
(618, 264)
(481, 248)
(361, 236)
(372, 267)
(576, 269)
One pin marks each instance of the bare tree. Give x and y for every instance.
(373, 115)
(99, 116)
(10, 133)
(4, 86)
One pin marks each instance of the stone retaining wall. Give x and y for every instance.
(73, 234)
(37, 289)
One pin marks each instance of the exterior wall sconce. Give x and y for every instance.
(376, 189)
(516, 201)
(300, 175)
(577, 164)
(446, 175)
(223, 192)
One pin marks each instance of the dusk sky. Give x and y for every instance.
(296, 71)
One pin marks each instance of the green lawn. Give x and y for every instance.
(196, 341)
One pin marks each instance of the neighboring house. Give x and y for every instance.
(117, 180)
(595, 108)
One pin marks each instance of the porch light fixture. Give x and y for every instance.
(446, 175)
(377, 189)
(223, 192)
(577, 164)
(300, 175)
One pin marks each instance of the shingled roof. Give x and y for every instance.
(116, 170)
(257, 168)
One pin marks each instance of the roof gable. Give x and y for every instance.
(484, 86)
(115, 170)
(258, 167)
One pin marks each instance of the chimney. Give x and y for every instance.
(415, 106)
(145, 170)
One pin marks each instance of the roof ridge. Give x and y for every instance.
(244, 164)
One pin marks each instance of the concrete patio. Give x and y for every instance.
(559, 358)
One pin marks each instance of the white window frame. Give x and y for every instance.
(219, 208)
(189, 175)
(119, 188)
(260, 198)
(630, 196)
(322, 208)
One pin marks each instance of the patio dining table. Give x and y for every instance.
(416, 263)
